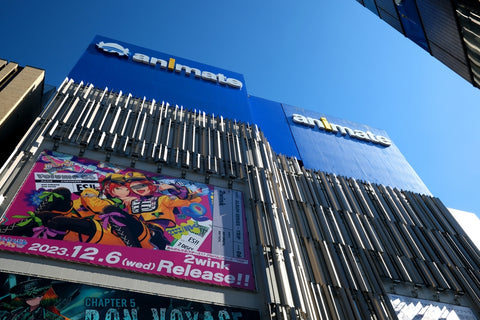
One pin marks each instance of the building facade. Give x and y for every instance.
(126, 207)
(448, 30)
(21, 93)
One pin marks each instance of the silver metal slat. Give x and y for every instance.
(357, 239)
(399, 240)
(339, 193)
(428, 251)
(329, 192)
(362, 231)
(412, 216)
(381, 204)
(348, 270)
(371, 234)
(399, 205)
(334, 227)
(105, 115)
(138, 117)
(375, 282)
(473, 292)
(394, 209)
(419, 210)
(412, 241)
(383, 235)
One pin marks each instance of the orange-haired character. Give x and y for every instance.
(87, 219)
(112, 221)
(156, 211)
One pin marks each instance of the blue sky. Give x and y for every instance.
(334, 57)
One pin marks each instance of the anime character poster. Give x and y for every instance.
(28, 298)
(85, 211)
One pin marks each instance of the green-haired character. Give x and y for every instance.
(33, 300)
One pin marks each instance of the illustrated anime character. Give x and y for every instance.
(112, 211)
(53, 203)
(86, 219)
(33, 299)
(114, 188)
(156, 211)
(174, 190)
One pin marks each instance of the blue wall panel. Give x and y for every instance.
(122, 73)
(269, 117)
(350, 157)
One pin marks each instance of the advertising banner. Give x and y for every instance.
(81, 210)
(26, 298)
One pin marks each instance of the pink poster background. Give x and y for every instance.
(206, 239)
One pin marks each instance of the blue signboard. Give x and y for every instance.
(146, 73)
(350, 149)
(322, 142)
(334, 145)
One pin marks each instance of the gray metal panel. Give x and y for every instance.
(391, 20)
(388, 6)
(370, 5)
(450, 61)
(438, 18)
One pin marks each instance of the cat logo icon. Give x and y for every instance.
(113, 48)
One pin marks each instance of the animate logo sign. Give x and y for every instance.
(323, 124)
(170, 65)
